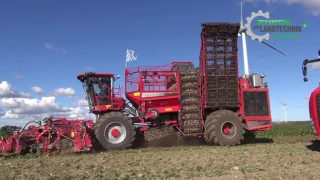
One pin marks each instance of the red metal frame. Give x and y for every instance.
(157, 96)
(243, 87)
(202, 76)
(313, 112)
(114, 96)
(203, 70)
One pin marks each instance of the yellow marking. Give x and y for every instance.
(72, 134)
(108, 106)
(136, 94)
(168, 109)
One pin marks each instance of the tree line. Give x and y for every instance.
(8, 130)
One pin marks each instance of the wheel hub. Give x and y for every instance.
(228, 130)
(115, 133)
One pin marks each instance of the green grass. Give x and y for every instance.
(287, 129)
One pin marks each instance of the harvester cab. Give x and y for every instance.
(314, 99)
(100, 92)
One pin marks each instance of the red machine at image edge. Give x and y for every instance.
(314, 99)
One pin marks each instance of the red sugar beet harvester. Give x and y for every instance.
(210, 101)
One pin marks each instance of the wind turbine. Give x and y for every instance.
(242, 33)
(284, 109)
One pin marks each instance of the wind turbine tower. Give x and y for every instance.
(243, 34)
(284, 109)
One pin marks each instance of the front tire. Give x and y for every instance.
(224, 128)
(115, 131)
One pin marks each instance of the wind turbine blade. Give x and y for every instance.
(273, 48)
(280, 101)
(269, 46)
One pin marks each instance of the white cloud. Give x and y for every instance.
(16, 105)
(51, 47)
(69, 92)
(82, 103)
(9, 103)
(313, 6)
(76, 113)
(88, 68)
(2, 112)
(17, 76)
(32, 106)
(48, 45)
(7, 91)
(37, 89)
(37, 109)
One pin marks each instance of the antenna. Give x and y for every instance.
(284, 109)
(242, 32)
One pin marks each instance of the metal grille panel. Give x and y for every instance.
(318, 107)
(256, 103)
(221, 64)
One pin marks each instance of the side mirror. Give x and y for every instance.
(304, 70)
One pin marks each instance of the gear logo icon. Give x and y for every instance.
(248, 28)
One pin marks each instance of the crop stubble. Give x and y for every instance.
(287, 158)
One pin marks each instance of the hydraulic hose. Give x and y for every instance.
(27, 124)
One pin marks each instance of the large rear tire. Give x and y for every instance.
(224, 128)
(115, 131)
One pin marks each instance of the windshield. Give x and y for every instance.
(87, 91)
(99, 90)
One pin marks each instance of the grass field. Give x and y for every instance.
(287, 129)
(289, 151)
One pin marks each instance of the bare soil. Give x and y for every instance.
(278, 158)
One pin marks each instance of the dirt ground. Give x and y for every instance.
(284, 158)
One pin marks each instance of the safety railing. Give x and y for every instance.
(150, 78)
